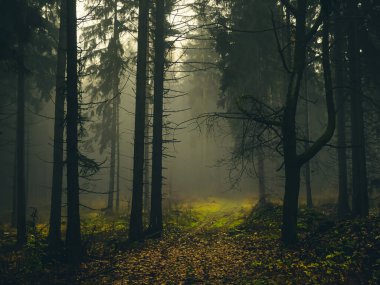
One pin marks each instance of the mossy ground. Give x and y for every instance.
(212, 241)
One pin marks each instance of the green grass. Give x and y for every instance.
(211, 213)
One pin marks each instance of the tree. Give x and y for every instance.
(118, 156)
(261, 175)
(59, 120)
(136, 223)
(359, 167)
(248, 56)
(114, 45)
(343, 207)
(21, 199)
(155, 225)
(26, 37)
(293, 161)
(106, 65)
(307, 173)
(73, 233)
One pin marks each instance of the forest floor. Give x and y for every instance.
(211, 241)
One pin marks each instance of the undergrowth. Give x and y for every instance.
(213, 241)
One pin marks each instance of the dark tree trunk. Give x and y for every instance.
(115, 91)
(14, 193)
(54, 237)
(261, 174)
(20, 134)
(292, 179)
(309, 199)
(118, 156)
(359, 171)
(147, 159)
(73, 234)
(155, 225)
(343, 206)
(292, 166)
(136, 224)
(292, 161)
(111, 187)
(28, 193)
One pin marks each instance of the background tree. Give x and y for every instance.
(339, 79)
(73, 233)
(292, 160)
(248, 51)
(155, 225)
(136, 224)
(59, 121)
(21, 199)
(104, 58)
(359, 167)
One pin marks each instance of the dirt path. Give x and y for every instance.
(212, 257)
(212, 250)
(205, 254)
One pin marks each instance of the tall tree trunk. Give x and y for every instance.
(343, 206)
(73, 234)
(292, 179)
(292, 167)
(14, 193)
(111, 186)
(115, 91)
(148, 115)
(155, 225)
(136, 224)
(28, 194)
(147, 159)
(292, 161)
(309, 199)
(359, 169)
(261, 174)
(118, 156)
(20, 133)
(54, 237)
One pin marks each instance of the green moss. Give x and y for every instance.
(213, 213)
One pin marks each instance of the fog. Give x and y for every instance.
(197, 151)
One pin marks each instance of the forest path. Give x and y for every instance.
(208, 249)
(204, 244)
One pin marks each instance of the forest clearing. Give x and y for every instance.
(211, 241)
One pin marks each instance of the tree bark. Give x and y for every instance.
(309, 199)
(28, 194)
(292, 161)
(73, 234)
(292, 167)
(118, 156)
(54, 237)
(111, 186)
(14, 193)
(115, 91)
(20, 133)
(359, 170)
(146, 160)
(292, 177)
(343, 206)
(136, 224)
(261, 174)
(156, 225)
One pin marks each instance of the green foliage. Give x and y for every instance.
(201, 246)
(211, 214)
(106, 62)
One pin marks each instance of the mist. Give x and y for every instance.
(190, 141)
